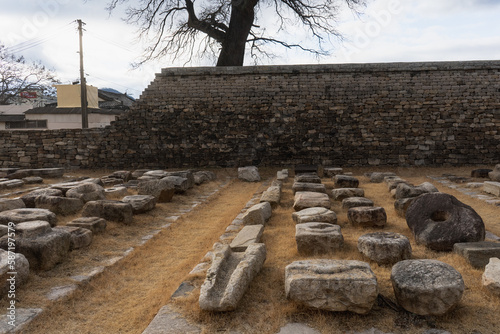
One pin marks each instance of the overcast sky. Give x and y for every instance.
(386, 31)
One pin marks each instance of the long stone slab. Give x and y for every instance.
(307, 199)
(169, 321)
(478, 254)
(307, 186)
(248, 235)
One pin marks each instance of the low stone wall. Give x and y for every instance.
(402, 114)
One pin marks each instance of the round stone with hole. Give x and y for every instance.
(438, 221)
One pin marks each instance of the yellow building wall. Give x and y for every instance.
(68, 96)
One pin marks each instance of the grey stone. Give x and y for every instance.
(318, 215)
(439, 220)
(307, 178)
(282, 175)
(87, 192)
(23, 317)
(249, 174)
(247, 236)
(492, 188)
(297, 328)
(353, 202)
(124, 175)
(65, 186)
(272, 195)
(307, 199)
(63, 206)
(254, 216)
(333, 285)
(229, 277)
(80, 237)
(59, 292)
(266, 209)
(11, 204)
(19, 265)
(313, 187)
(385, 247)
(32, 180)
(426, 287)
(186, 174)
(342, 193)
(491, 276)
(163, 190)
(393, 182)
(140, 203)
(203, 176)
(378, 177)
(181, 184)
(478, 254)
(318, 238)
(116, 192)
(110, 210)
(169, 321)
(44, 251)
(332, 171)
(94, 224)
(29, 198)
(495, 174)
(367, 216)
(404, 190)
(480, 173)
(9, 184)
(157, 174)
(32, 229)
(401, 205)
(345, 181)
(24, 215)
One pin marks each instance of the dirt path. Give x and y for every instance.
(126, 297)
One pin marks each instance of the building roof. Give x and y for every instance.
(60, 111)
(114, 99)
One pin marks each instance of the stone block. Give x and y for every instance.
(312, 187)
(94, 224)
(345, 181)
(24, 215)
(318, 238)
(491, 276)
(140, 203)
(317, 215)
(272, 195)
(110, 210)
(249, 174)
(343, 193)
(247, 236)
(367, 216)
(307, 199)
(492, 188)
(11, 204)
(478, 254)
(354, 202)
(80, 237)
(385, 247)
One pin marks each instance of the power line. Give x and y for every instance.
(37, 40)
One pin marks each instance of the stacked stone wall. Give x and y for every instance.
(402, 114)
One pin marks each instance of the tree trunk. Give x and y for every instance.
(233, 47)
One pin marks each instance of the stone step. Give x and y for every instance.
(248, 235)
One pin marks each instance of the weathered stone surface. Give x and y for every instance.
(439, 220)
(11, 204)
(169, 321)
(187, 174)
(313, 187)
(9, 184)
(54, 173)
(401, 205)
(272, 195)
(65, 186)
(480, 173)
(353, 202)
(492, 188)
(367, 216)
(404, 190)
(94, 224)
(124, 175)
(478, 254)
(495, 174)
(307, 199)
(385, 247)
(266, 209)
(229, 277)
(110, 210)
(332, 171)
(342, 193)
(491, 276)
(307, 178)
(254, 216)
(163, 190)
(3, 230)
(80, 237)
(317, 215)
(44, 251)
(249, 174)
(426, 287)
(140, 203)
(333, 285)
(63, 206)
(181, 184)
(32, 229)
(21, 267)
(247, 236)
(378, 177)
(24, 215)
(87, 192)
(32, 180)
(393, 182)
(29, 198)
(116, 192)
(345, 181)
(318, 238)
(203, 176)
(157, 174)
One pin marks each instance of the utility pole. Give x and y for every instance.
(83, 82)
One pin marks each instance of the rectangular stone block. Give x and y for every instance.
(247, 236)
(478, 254)
(491, 187)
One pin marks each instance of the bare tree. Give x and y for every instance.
(226, 27)
(18, 75)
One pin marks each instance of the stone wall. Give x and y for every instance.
(445, 113)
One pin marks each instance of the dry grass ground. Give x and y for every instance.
(125, 298)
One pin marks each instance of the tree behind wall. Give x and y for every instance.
(18, 75)
(225, 28)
